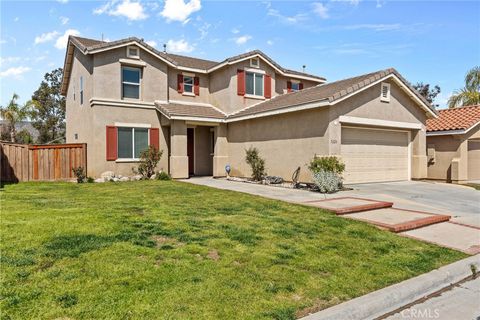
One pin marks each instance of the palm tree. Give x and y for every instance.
(14, 113)
(470, 94)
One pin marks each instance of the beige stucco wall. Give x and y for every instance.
(173, 94)
(447, 148)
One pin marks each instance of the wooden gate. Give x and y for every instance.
(20, 162)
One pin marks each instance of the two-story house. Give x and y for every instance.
(125, 95)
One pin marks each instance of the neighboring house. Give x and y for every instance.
(123, 95)
(453, 142)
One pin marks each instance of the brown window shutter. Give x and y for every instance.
(111, 143)
(289, 86)
(241, 82)
(268, 86)
(300, 86)
(180, 83)
(196, 86)
(155, 138)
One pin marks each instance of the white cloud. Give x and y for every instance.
(8, 60)
(203, 29)
(62, 41)
(242, 39)
(235, 31)
(321, 10)
(45, 37)
(179, 46)
(132, 10)
(379, 3)
(16, 19)
(287, 19)
(15, 72)
(151, 43)
(352, 2)
(375, 27)
(64, 20)
(270, 42)
(62, 1)
(179, 10)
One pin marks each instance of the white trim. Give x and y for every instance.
(137, 56)
(202, 123)
(121, 103)
(188, 94)
(253, 70)
(379, 123)
(132, 125)
(253, 96)
(189, 118)
(131, 62)
(451, 132)
(123, 160)
(192, 69)
(300, 107)
(255, 65)
(409, 146)
(188, 74)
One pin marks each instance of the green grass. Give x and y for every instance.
(476, 186)
(171, 250)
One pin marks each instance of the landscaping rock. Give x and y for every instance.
(136, 177)
(100, 180)
(153, 177)
(115, 179)
(107, 175)
(123, 179)
(273, 179)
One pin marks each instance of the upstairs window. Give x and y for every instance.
(131, 82)
(131, 142)
(255, 63)
(133, 52)
(293, 86)
(254, 83)
(188, 84)
(385, 92)
(81, 90)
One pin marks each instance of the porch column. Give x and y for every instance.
(419, 161)
(178, 145)
(220, 156)
(459, 165)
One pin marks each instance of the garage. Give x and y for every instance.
(374, 155)
(473, 159)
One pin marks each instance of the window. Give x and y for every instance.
(385, 93)
(131, 142)
(131, 83)
(295, 86)
(188, 84)
(255, 63)
(133, 52)
(254, 83)
(81, 90)
(212, 141)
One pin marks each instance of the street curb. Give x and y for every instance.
(381, 302)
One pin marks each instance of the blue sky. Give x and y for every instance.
(430, 41)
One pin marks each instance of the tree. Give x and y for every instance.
(425, 91)
(14, 113)
(48, 113)
(470, 94)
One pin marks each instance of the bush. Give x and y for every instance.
(256, 163)
(79, 173)
(90, 180)
(148, 162)
(328, 163)
(162, 175)
(327, 181)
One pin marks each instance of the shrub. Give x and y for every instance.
(148, 162)
(328, 163)
(90, 180)
(79, 173)
(327, 181)
(257, 164)
(162, 175)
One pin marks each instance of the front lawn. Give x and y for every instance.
(172, 250)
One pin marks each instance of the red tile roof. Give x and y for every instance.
(455, 119)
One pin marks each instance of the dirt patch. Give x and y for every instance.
(213, 254)
(318, 305)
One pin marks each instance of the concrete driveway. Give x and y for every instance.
(462, 203)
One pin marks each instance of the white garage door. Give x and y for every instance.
(372, 155)
(473, 159)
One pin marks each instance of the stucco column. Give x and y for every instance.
(419, 160)
(178, 145)
(220, 156)
(459, 164)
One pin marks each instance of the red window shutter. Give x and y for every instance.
(155, 138)
(111, 143)
(240, 82)
(300, 86)
(180, 83)
(196, 86)
(289, 86)
(268, 86)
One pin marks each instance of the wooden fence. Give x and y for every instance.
(21, 162)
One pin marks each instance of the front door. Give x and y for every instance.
(190, 150)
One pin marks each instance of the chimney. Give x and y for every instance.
(164, 48)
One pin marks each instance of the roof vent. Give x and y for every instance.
(164, 48)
